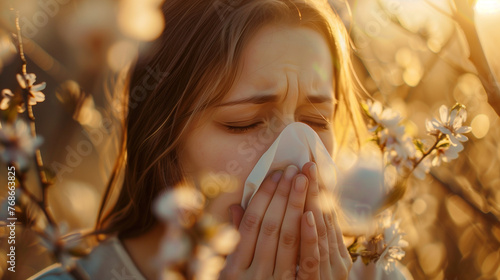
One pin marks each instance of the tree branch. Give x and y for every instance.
(464, 16)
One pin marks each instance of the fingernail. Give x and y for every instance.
(310, 219)
(276, 176)
(314, 172)
(300, 184)
(290, 171)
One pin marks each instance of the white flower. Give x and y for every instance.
(180, 206)
(207, 264)
(399, 148)
(386, 117)
(16, 143)
(394, 243)
(225, 239)
(446, 153)
(7, 97)
(175, 247)
(55, 239)
(422, 168)
(451, 125)
(26, 82)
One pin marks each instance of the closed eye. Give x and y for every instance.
(320, 124)
(242, 129)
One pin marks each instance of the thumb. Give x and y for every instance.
(236, 214)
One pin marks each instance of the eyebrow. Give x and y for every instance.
(273, 98)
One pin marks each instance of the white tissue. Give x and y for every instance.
(297, 144)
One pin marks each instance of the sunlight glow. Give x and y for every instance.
(487, 6)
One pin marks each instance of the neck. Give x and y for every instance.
(144, 249)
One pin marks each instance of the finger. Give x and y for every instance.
(309, 250)
(288, 249)
(340, 259)
(251, 221)
(313, 203)
(267, 242)
(236, 214)
(340, 238)
(332, 220)
(336, 260)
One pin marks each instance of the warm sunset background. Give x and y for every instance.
(411, 55)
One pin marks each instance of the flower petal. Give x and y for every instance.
(463, 115)
(443, 113)
(454, 141)
(30, 78)
(39, 87)
(7, 93)
(5, 103)
(453, 115)
(39, 96)
(461, 138)
(21, 81)
(464, 129)
(444, 130)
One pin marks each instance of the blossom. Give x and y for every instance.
(180, 206)
(7, 97)
(207, 264)
(16, 143)
(394, 243)
(26, 82)
(399, 148)
(175, 247)
(446, 153)
(422, 168)
(386, 117)
(57, 239)
(194, 241)
(225, 239)
(450, 125)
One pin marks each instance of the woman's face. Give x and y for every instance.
(287, 76)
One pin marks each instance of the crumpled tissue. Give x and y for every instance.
(297, 144)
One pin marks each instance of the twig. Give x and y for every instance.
(75, 271)
(464, 16)
(30, 116)
(446, 183)
(438, 139)
(438, 9)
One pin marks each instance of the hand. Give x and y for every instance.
(273, 229)
(335, 261)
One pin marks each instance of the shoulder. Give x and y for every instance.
(108, 260)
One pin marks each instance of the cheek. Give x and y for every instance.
(219, 162)
(328, 141)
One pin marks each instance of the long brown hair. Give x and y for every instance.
(197, 57)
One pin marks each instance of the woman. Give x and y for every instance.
(229, 69)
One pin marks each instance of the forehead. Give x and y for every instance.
(278, 57)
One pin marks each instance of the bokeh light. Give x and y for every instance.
(487, 6)
(480, 125)
(121, 54)
(141, 20)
